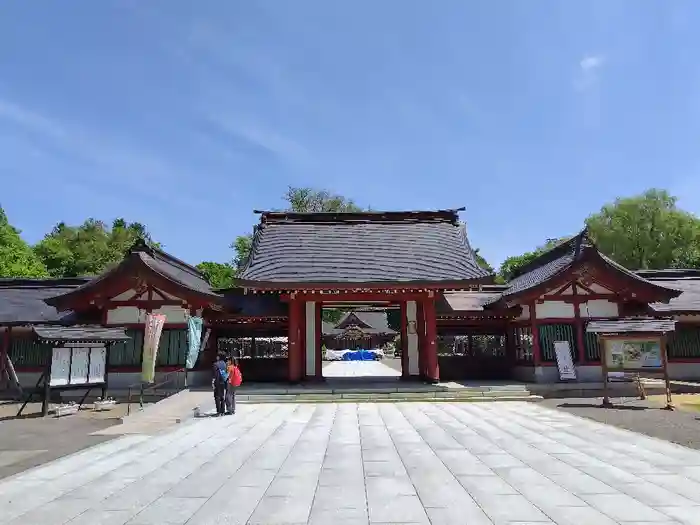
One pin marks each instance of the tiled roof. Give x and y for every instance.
(561, 258)
(646, 325)
(377, 247)
(174, 269)
(155, 260)
(22, 300)
(687, 281)
(81, 334)
(370, 322)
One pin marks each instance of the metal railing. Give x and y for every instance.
(152, 388)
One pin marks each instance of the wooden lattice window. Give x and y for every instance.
(549, 333)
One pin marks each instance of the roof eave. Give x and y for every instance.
(372, 285)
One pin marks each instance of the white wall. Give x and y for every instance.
(412, 339)
(310, 338)
(598, 308)
(132, 314)
(554, 309)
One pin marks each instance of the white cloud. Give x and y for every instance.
(591, 62)
(588, 74)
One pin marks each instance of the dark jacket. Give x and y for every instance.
(218, 365)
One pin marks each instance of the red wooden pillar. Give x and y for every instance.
(431, 357)
(536, 350)
(319, 342)
(404, 342)
(579, 325)
(422, 340)
(294, 344)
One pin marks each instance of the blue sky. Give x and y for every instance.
(188, 115)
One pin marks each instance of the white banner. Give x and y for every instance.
(151, 340)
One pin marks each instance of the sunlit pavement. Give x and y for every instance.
(358, 369)
(441, 463)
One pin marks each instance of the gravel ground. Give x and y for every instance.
(32, 440)
(645, 417)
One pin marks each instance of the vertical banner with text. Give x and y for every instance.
(194, 338)
(151, 340)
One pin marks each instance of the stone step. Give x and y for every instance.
(388, 398)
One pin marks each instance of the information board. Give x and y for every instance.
(565, 363)
(60, 366)
(633, 354)
(78, 365)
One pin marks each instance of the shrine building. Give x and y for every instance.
(450, 321)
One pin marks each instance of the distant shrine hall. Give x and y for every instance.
(402, 280)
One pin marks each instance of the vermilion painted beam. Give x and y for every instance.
(580, 338)
(144, 304)
(357, 297)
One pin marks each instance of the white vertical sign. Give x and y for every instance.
(412, 337)
(310, 338)
(565, 364)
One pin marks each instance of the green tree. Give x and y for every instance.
(647, 231)
(17, 259)
(483, 263)
(512, 264)
(299, 200)
(219, 275)
(88, 249)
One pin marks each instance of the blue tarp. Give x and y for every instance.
(360, 355)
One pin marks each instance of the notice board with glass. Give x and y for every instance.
(642, 354)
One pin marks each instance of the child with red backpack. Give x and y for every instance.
(235, 378)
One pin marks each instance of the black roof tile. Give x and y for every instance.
(22, 300)
(370, 322)
(559, 259)
(350, 248)
(687, 281)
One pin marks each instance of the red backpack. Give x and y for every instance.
(236, 378)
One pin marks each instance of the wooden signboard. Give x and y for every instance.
(638, 354)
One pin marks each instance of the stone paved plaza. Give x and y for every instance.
(359, 369)
(439, 463)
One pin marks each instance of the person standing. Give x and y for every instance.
(219, 383)
(235, 378)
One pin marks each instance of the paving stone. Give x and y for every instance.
(507, 508)
(102, 517)
(622, 507)
(457, 515)
(401, 509)
(346, 464)
(168, 511)
(276, 510)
